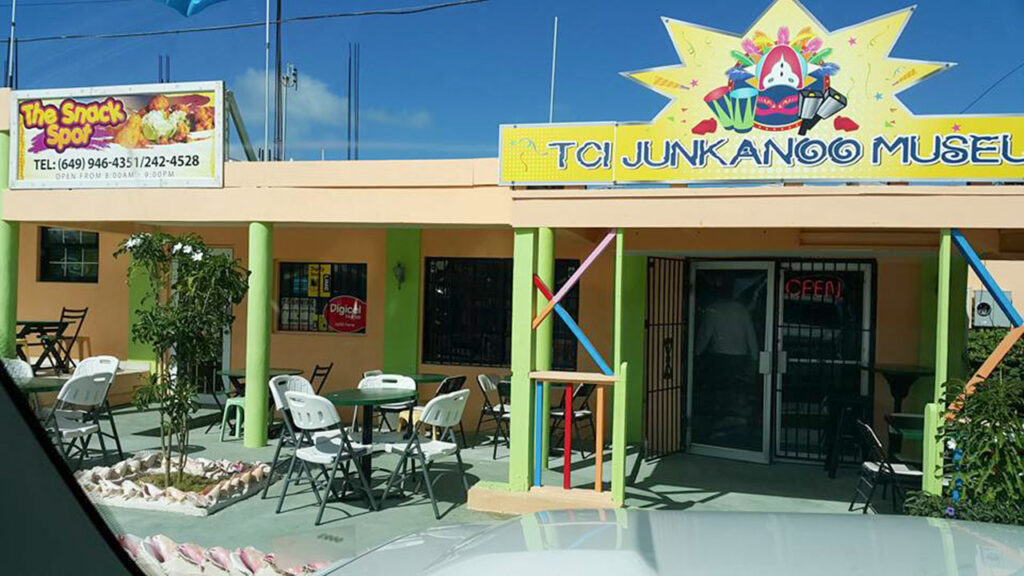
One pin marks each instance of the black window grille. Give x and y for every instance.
(305, 288)
(467, 316)
(68, 255)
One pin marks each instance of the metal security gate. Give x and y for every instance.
(825, 338)
(665, 369)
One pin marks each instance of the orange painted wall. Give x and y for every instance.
(106, 326)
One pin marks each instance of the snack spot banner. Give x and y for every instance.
(157, 135)
(787, 100)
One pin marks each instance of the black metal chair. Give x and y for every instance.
(496, 410)
(878, 469)
(319, 376)
(580, 411)
(844, 411)
(64, 345)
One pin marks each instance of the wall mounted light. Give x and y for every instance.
(399, 272)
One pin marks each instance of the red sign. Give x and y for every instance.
(828, 287)
(346, 314)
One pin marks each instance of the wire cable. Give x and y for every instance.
(992, 87)
(261, 23)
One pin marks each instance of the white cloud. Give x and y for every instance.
(313, 110)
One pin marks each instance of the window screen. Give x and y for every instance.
(467, 317)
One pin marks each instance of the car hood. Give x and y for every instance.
(639, 542)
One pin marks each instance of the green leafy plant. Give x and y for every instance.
(983, 448)
(188, 305)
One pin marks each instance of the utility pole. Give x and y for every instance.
(289, 80)
(279, 95)
(10, 50)
(352, 122)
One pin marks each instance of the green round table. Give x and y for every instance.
(367, 399)
(421, 379)
(42, 384)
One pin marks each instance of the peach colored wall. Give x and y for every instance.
(106, 326)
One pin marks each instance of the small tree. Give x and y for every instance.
(188, 305)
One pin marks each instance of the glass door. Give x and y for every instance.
(729, 404)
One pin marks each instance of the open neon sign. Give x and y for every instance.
(817, 286)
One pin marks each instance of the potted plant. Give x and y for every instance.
(189, 302)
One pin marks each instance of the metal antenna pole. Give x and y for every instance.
(266, 93)
(348, 107)
(356, 110)
(289, 80)
(278, 142)
(10, 49)
(554, 53)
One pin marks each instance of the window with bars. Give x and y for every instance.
(68, 255)
(306, 290)
(467, 316)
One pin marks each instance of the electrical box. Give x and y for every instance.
(986, 312)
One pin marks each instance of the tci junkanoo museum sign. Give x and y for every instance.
(787, 100)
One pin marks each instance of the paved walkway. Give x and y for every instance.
(679, 482)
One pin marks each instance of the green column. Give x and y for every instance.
(9, 232)
(138, 287)
(957, 366)
(402, 302)
(620, 395)
(546, 331)
(521, 427)
(634, 314)
(257, 334)
(932, 449)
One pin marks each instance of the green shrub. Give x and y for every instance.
(983, 447)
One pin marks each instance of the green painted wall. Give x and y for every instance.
(521, 428)
(634, 312)
(257, 336)
(545, 333)
(402, 302)
(138, 287)
(9, 234)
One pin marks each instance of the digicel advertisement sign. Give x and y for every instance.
(346, 314)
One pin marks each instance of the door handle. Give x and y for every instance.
(764, 362)
(783, 357)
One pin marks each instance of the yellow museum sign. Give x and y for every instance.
(787, 100)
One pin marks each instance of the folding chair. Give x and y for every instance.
(580, 411)
(65, 344)
(443, 412)
(877, 469)
(290, 436)
(447, 386)
(100, 366)
(496, 410)
(390, 381)
(311, 414)
(319, 376)
(73, 435)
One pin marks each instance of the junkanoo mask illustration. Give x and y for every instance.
(774, 76)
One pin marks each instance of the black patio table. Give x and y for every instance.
(367, 399)
(49, 333)
(900, 378)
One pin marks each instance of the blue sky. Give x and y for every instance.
(437, 85)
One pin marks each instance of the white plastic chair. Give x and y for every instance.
(19, 370)
(105, 366)
(444, 413)
(279, 385)
(89, 393)
(387, 381)
(311, 414)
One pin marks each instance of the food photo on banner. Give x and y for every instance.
(788, 99)
(160, 135)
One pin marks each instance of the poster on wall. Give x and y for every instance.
(155, 135)
(788, 99)
(320, 297)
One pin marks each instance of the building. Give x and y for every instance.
(731, 315)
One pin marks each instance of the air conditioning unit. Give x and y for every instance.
(988, 314)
